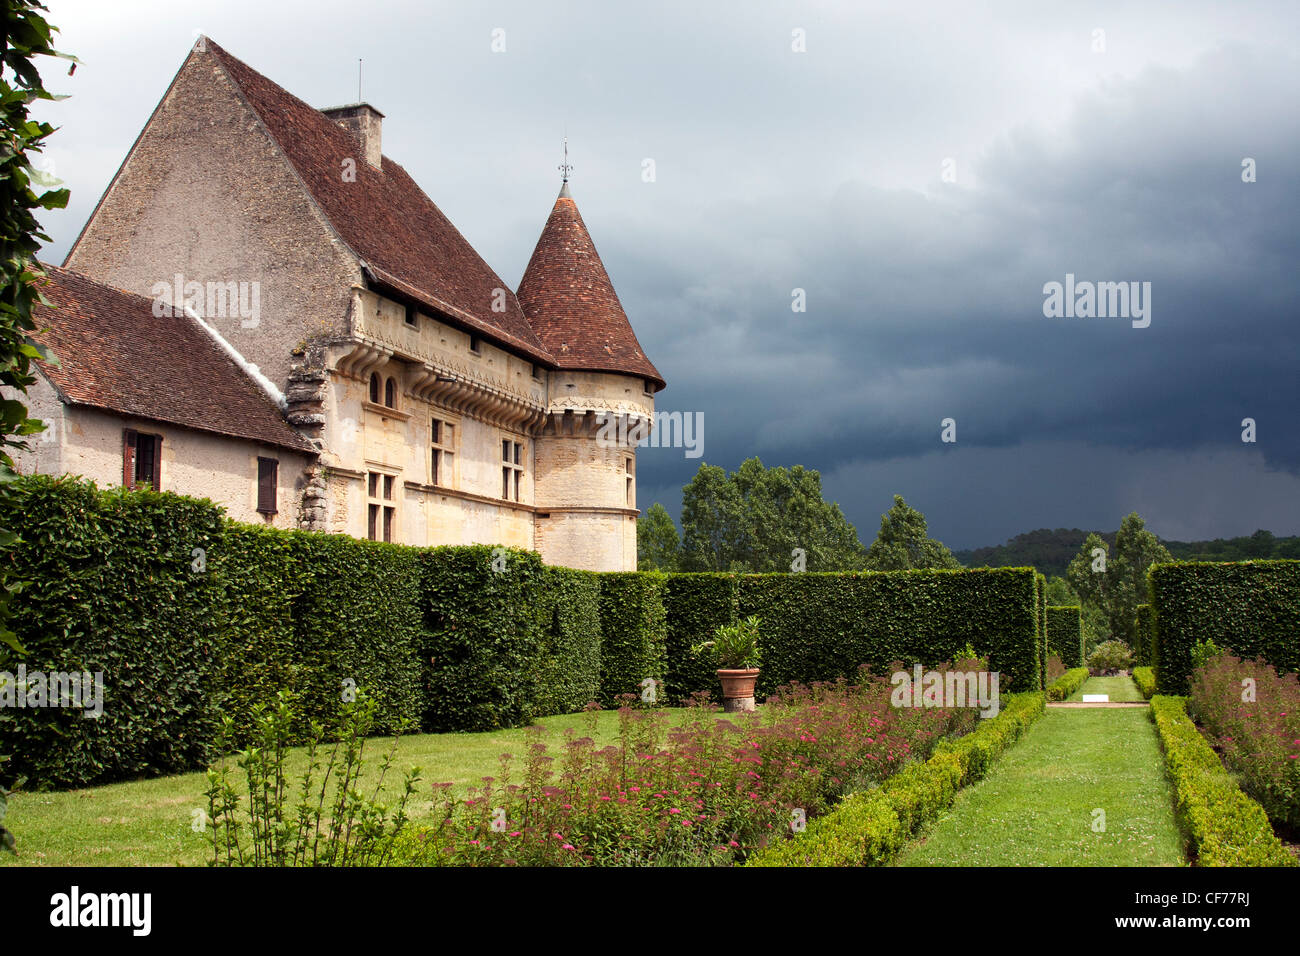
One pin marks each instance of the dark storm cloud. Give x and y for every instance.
(821, 171)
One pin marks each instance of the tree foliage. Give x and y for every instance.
(1121, 586)
(759, 519)
(26, 35)
(658, 547)
(903, 543)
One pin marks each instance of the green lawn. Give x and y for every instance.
(1120, 689)
(147, 822)
(1036, 806)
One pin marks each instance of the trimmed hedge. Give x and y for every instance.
(342, 633)
(1040, 604)
(480, 640)
(824, 626)
(111, 589)
(633, 632)
(1065, 633)
(568, 663)
(871, 827)
(448, 636)
(1145, 678)
(1144, 637)
(1067, 683)
(1252, 607)
(1225, 827)
(695, 605)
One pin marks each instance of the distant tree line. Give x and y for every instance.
(1050, 551)
(760, 519)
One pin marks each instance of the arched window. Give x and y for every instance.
(374, 387)
(390, 393)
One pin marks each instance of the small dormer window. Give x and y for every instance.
(410, 316)
(474, 345)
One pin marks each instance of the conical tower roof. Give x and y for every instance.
(569, 301)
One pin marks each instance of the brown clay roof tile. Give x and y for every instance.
(405, 241)
(567, 296)
(115, 354)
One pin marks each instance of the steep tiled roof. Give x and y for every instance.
(405, 241)
(115, 354)
(567, 296)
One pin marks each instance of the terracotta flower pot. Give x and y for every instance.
(738, 688)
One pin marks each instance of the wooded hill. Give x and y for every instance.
(1050, 550)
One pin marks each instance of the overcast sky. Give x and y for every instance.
(829, 171)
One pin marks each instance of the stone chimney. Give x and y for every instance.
(364, 122)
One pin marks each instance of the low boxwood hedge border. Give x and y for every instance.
(870, 828)
(1224, 826)
(1067, 683)
(1145, 678)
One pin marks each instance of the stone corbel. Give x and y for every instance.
(423, 379)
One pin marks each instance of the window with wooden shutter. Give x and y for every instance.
(156, 470)
(268, 470)
(128, 457)
(141, 459)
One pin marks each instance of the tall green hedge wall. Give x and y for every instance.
(1040, 603)
(1065, 633)
(193, 618)
(695, 605)
(1144, 654)
(1252, 607)
(568, 664)
(111, 589)
(823, 626)
(480, 641)
(633, 630)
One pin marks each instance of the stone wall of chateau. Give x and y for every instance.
(490, 396)
(88, 442)
(586, 471)
(205, 193)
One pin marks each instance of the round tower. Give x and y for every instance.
(600, 400)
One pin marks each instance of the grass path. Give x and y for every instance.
(1120, 689)
(147, 822)
(1036, 808)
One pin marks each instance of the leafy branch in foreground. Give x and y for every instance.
(338, 827)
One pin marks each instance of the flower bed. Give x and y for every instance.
(870, 828)
(1258, 734)
(710, 792)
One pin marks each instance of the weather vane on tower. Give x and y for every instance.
(564, 167)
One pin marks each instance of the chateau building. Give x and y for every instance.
(404, 391)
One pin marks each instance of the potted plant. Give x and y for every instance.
(735, 648)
